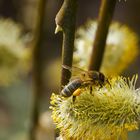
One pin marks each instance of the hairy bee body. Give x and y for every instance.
(72, 86)
(84, 79)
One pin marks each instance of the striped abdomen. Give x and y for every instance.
(71, 87)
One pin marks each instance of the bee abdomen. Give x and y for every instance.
(71, 87)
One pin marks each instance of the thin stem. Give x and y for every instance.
(65, 21)
(105, 17)
(37, 68)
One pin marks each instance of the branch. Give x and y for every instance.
(105, 17)
(37, 68)
(65, 21)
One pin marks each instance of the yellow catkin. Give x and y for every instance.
(107, 113)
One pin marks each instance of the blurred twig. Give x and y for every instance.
(105, 17)
(37, 68)
(65, 21)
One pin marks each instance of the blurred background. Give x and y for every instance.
(16, 84)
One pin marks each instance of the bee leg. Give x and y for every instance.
(90, 88)
(108, 82)
(100, 85)
(73, 98)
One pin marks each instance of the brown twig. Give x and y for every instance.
(105, 17)
(37, 68)
(65, 21)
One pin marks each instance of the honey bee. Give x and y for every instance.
(82, 79)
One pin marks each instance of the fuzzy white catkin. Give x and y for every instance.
(13, 52)
(120, 42)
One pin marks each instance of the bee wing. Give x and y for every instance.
(76, 72)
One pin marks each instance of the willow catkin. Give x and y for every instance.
(120, 42)
(14, 54)
(106, 113)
